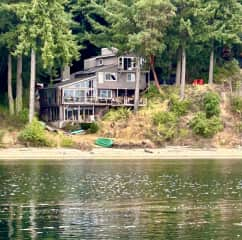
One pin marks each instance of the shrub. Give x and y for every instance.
(34, 135)
(67, 142)
(211, 103)
(165, 118)
(94, 127)
(206, 127)
(166, 123)
(236, 105)
(179, 107)
(70, 126)
(2, 133)
(23, 116)
(85, 126)
(119, 114)
(238, 127)
(152, 92)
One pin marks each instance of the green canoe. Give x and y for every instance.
(104, 142)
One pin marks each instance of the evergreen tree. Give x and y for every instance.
(219, 24)
(45, 29)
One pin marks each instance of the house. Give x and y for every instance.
(107, 81)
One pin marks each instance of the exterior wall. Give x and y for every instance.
(121, 82)
(95, 62)
(49, 97)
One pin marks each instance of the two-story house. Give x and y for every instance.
(107, 81)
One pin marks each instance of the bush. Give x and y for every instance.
(206, 127)
(119, 114)
(211, 103)
(166, 123)
(94, 127)
(67, 142)
(236, 105)
(34, 135)
(2, 133)
(23, 116)
(70, 126)
(165, 118)
(152, 92)
(85, 126)
(179, 107)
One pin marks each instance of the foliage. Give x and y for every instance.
(238, 127)
(166, 125)
(94, 127)
(165, 118)
(85, 126)
(152, 92)
(236, 105)
(119, 114)
(225, 70)
(22, 117)
(2, 133)
(206, 127)
(179, 107)
(69, 127)
(45, 26)
(211, 103)
(67, 142)
(34, 135)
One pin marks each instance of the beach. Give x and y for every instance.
(172, 153)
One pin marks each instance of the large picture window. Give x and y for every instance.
(105, 93)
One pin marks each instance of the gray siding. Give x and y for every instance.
(121, 82)
(95, 62)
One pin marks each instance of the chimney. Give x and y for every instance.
(66, 73)
(108, 51)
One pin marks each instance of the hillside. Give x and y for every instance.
(164, 121)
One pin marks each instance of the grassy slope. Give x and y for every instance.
(135, 130)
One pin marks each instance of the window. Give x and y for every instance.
(131, 77)
(127, 63)
(105, 93)
(100, 62)
(110, 77)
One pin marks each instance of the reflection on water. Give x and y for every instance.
(121, 200)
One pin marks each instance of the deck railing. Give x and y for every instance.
(117, 101)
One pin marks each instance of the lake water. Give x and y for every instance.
(188, 200)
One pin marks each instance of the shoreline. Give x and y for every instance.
(168, 153)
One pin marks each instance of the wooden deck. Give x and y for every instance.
(115, 102)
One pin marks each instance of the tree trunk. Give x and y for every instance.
(211, 67)
(137, 85)
(10, 90)
(32, 85)
(19, 90)
(183, 73)
(178, 69)
(152, 66)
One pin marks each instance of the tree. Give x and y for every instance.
(182, 30)
(219, 24)
(45, 30)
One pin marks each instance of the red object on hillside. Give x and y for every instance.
(198, 82)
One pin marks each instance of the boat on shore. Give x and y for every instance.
(104, 142)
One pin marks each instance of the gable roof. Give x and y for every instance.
(75, 80)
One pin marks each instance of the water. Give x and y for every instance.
(121, 200)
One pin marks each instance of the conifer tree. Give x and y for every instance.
(45, 29)
(219, 24)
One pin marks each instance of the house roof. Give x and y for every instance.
(92, 70)
(67, 82)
